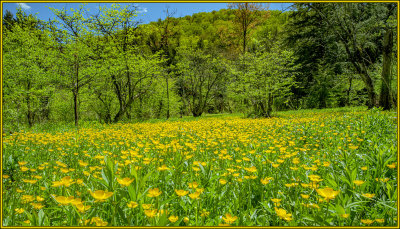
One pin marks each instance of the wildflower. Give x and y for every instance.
(380, 220)
(132, 204)
(368, 195)
(19, 210)
(229, 219)
(6, 176)
(66, 181)
(367, 221)
(146, 206)
(101, 195)
(305, 196)
(195, 195)
(345, 215)
(391, 166)
(181, 192)
(64, 200)
(328, 193)
(162, 168)
(173, 218)
(39, 198)
(150, 213)
(125, 181)
(37, 205)
(222, 181)
(186, 219)
(24, 169)
(82, 208)
(283, 214)
(27, 221)
(193, 185)
(154, 192)
(364, 168)
(205, 213)
(358, 182)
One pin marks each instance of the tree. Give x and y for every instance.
(268, 76)
(131, 71)
(247, 16)
(357, 27)
(28, 57)
(199, 74)
(76, 62)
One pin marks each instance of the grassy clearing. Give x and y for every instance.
(333, 167)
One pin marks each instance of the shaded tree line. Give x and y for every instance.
(109, 67)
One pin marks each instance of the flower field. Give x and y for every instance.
(326, 168)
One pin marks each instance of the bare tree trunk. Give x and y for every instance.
(385, 98)
(76, 90)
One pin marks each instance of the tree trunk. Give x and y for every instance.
(269, 105)
(28, 104)
(76, 90)
(385, 98)
(348, 92)
(166, 80)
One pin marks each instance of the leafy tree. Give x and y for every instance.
(247, 16)
(28, 57)
(200, 72)
(131, 72)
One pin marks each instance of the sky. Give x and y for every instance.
(148, 11)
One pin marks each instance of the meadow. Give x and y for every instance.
(301, 168)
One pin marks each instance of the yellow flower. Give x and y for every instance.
(24, 169)
(150, 213)
(6, 176)
(66, 181)
(193, 185)
(186, 219)
(40, 199)
(21, 163)
(222, 181)
(328, 193)
(368, 195)
(380, 220)
(125, 181)
(19, 210)
(345, 215)
(367, 221)
(194, 195)
(154, 192)
(82, 208)
(37, 205)
(364, 168)
(162, 168)
(283, 214)
(146, 206)
(358, 182)
(391, 166)
(296, 160)
(305, 196)
(64, 200)
(132, 204)
(229, 219)
(173, 218)
(181, 192)
(27, 221)
(252, 169)
(101, 195)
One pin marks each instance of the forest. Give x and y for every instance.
(108, 67)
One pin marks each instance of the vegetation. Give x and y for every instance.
(241, 117)
(108, 67)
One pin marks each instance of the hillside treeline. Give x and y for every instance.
(109, 67)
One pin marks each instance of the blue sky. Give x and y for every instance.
(149, 11)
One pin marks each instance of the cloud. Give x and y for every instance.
(142, 10)
(24, 6)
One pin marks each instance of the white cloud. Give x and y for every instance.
(24, 6)
(142, 10)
